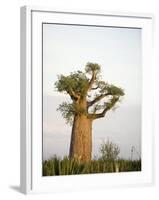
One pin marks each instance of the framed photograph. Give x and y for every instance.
(86, 100)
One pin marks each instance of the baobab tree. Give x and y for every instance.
(91, 98)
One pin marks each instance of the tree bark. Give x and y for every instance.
(81, 139)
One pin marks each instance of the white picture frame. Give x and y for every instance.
(31, 58)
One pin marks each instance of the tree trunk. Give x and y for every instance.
(81, 139)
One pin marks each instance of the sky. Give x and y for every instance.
(67, 48)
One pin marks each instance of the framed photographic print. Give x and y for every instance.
(86, 100)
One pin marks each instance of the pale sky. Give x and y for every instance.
(68, 48)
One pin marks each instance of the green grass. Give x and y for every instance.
(65, 166)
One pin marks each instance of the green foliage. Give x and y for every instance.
(113, 90)
(78, 86)
(76, 82)
(128, 165)
(90, 67)
(56, 166)
(68, 110)
(109, 88)
(109, 151)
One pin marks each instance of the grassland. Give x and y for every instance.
(65, 166)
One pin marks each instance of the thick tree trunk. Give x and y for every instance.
(81, 139)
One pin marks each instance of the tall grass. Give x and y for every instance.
(65, 166)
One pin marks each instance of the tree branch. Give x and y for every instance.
(73, 94)
(108, 107)
(95, 88)
(98, 99)
(92, 80)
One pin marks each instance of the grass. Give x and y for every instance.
(65, 166)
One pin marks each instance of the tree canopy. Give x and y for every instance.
(88, 87)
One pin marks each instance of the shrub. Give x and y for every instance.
(109, 151)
